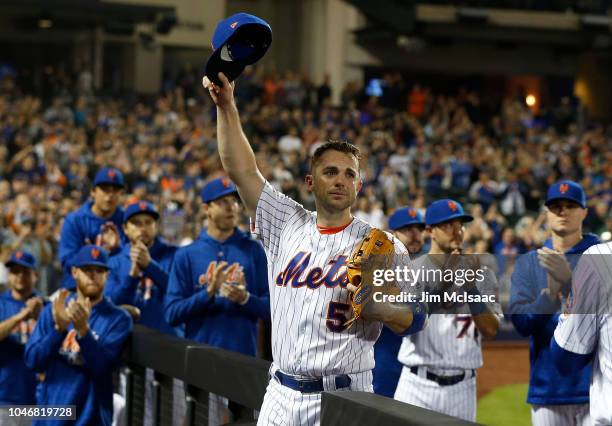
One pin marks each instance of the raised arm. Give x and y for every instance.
(236, 154)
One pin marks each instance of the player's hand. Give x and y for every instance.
(143, 257)
(34, 306)
(58, 309)
(133, 311)
(237, 293)
(134, 256)
(79, 312)
(556, 264)
(109, 238)
(222, 96)
(554, 287)
(219, 276)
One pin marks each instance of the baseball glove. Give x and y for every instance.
(374, 252)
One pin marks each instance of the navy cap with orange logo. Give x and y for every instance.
(566, 190)
(91, 255)
(140, 207)
(405, 216)
(444, 210)
(218, 188)
(22, 258)
(109, 176)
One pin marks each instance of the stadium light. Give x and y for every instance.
(530, 100)
(45, 23)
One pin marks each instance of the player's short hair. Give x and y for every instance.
(336, 145)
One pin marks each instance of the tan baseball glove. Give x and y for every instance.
(374, 252)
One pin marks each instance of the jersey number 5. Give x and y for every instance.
(336, 316)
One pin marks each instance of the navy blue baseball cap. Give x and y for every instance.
(444, 210)
(405, 216)
(91, 255)
(138, 208)
(218, 188)
(566, 190)
(22, 258)
(238, 41)
(109, 176)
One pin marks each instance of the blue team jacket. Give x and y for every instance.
(79, 226)
(547, 386)
(17, 382)
(78, 371)
(146, 293)
(387, 369)
(217, 321)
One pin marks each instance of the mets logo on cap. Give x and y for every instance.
(412, 213)
(226, 182)
(111, 174)
(95, 253)
(233, 25)
(18, 255)
(452, 205)
(142, 205)
(563, 188)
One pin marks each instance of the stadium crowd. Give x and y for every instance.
(417, 145)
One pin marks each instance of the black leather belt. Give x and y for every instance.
(310, 385)
(444, 380)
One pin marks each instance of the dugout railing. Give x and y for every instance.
(239, 378)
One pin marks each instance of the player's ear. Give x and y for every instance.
(309, 179)
(359, 186)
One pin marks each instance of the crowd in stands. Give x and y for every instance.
(496, 156)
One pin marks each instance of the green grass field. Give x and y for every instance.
(505, 406)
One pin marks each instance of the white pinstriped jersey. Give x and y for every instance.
(588, 327)
(308, 298)
(450, 341)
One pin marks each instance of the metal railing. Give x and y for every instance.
(242, 380)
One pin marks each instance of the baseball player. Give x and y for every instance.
(77, 343)
(312, 349)
(20, 306)
(439, 364)
(540, 279)
(139, 272)
(407, 225)
(98, 221)
(584, 333)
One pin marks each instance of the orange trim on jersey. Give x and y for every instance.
(327, 230)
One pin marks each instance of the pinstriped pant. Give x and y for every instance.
(560, 415)
(457, 400)
(284, 406)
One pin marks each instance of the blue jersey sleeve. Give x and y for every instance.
(120, 287)
(102, 355)
(71, 240)
(160, 277)
(44, 343)
(567, 362)
(182, 302)
(530, 309)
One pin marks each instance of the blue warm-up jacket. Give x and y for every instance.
(535, 315)
(78, 371)
(146, 292)
(17, 382)
(217, 321)
(79, 226)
